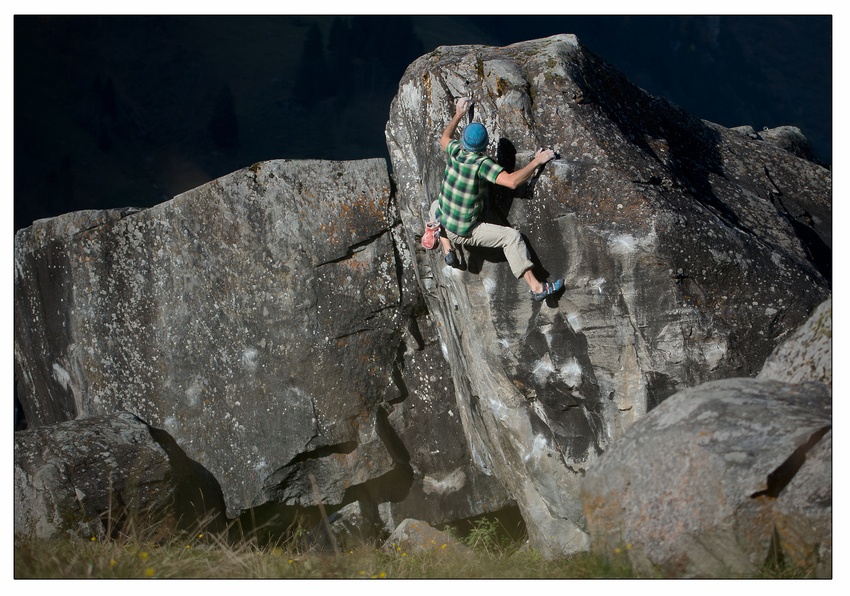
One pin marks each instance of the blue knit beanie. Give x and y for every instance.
(475, 138)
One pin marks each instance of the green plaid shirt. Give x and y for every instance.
(462, 190)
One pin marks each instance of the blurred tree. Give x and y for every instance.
(224, 125)
(311, 77)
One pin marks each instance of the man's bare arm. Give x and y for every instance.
(514, 179)
(460, 109)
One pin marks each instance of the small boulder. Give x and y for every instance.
(355, 525)
(790, 139)
(94, 475)
(415, 536)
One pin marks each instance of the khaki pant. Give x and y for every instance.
(493, 236)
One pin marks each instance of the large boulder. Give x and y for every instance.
(268, 322)
(719, 481)
(94, 476)
(686, 250)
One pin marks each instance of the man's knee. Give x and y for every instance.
(513, 237)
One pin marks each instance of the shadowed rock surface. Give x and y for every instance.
(686, 250)
(93, 475)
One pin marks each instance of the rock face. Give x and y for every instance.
(90, 475)
(688, 251)
(267, 322)
(719, 480)
(807, 354)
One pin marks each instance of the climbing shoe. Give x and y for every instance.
(549, 289)
(451, 259)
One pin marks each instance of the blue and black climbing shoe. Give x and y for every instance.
(549, 289)
(451, 259)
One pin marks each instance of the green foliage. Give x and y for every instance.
(490, 533)
(485, 535)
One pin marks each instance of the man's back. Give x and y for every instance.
(462, 188)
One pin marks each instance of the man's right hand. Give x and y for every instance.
(544, 156)
(462, 105)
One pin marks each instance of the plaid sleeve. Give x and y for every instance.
(490, 170)
(453, 148)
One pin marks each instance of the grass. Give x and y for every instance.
(202, 555)
(79, 559)
(196, 555)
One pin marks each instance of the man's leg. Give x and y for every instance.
(445, 243)
(532, 282)
(511, 242)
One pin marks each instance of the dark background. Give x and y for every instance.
(131, 111)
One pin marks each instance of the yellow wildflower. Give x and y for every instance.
(149, 571)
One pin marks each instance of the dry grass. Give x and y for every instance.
(204, 555)
(199, 554)
(193, 559)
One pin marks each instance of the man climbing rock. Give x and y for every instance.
(460, 205)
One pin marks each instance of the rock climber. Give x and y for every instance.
(460, 205)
